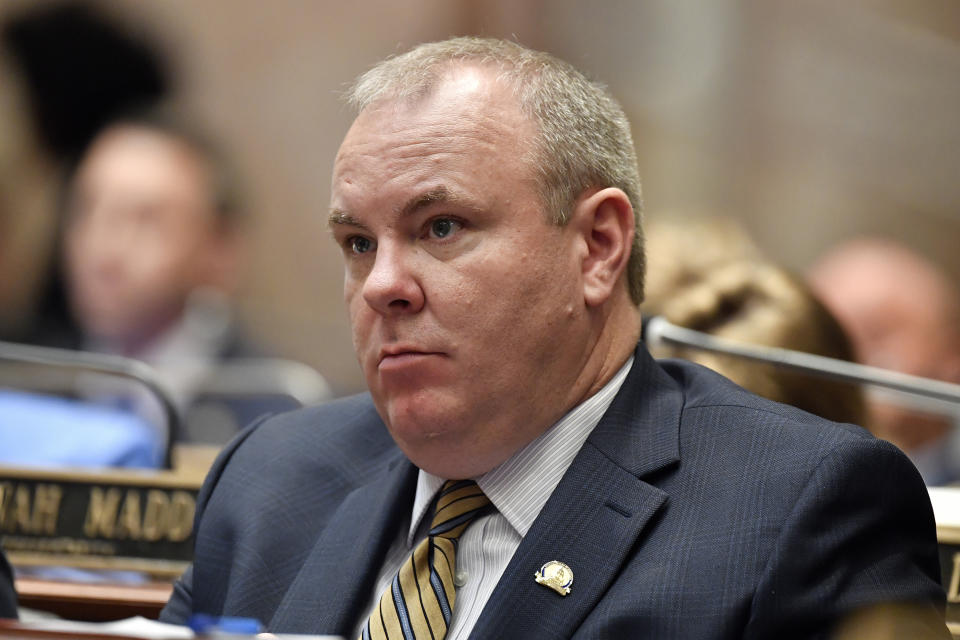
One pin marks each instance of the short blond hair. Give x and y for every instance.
(755, 302)
(583, 138)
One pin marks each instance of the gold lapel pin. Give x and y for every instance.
(555, 575)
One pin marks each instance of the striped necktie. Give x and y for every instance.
(419, 600)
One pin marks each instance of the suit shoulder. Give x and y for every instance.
(340, 441)
(708, 392)
(353, 419)
(724, 425)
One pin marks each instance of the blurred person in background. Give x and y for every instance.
(28, 184)
(902, 313)
(143, 309)
(152, 251)
(682, 249)
(717, 283)
(50, 116)
(151, 235)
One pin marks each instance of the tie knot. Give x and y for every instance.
(460, 501)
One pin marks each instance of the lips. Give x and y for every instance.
(394, 358)
(402, 349)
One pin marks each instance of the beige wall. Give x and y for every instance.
(810, 121)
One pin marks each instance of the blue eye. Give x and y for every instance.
(359, 244)
(443, 227)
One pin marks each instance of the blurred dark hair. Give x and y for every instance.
(80, 70)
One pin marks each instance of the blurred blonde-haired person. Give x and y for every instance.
(713, 279)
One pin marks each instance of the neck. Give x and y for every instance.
(617, 335)
(134, 344)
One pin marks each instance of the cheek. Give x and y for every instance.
(353, 300)
(162, 268)
(362, 319)
(74, 262)
(514, 305)
(81, 250)
(538, 281)
(351, 289)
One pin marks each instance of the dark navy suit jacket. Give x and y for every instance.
(695, 510)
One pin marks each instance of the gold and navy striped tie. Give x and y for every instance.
(418, 602)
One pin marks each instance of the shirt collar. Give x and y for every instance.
(520, 486)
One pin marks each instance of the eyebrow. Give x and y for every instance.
(437, 195)
(341, 217)
(440, 194)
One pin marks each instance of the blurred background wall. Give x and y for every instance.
(809, 121)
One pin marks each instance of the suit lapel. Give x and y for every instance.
(335, 581)
(596, 514)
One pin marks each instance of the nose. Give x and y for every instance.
(392, 286)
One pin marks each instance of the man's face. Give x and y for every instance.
(466, 304)
(893, 315)
(139, 225)
(893, 333)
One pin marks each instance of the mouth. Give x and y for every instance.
(400, 356)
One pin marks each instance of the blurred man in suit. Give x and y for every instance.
(521, 467)
(902, 313)
(150, 223)
(152, 244)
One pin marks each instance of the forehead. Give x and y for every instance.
(469, 129)
(142, 160)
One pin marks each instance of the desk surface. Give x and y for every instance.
(95, 602)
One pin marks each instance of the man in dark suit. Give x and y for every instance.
(486, 200)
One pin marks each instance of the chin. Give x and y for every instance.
(423, 405)
(443, 459)
(102, 330)
(422, 421)
(418, 428)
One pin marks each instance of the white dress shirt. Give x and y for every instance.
(518, 489)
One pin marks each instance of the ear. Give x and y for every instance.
(605, 222)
